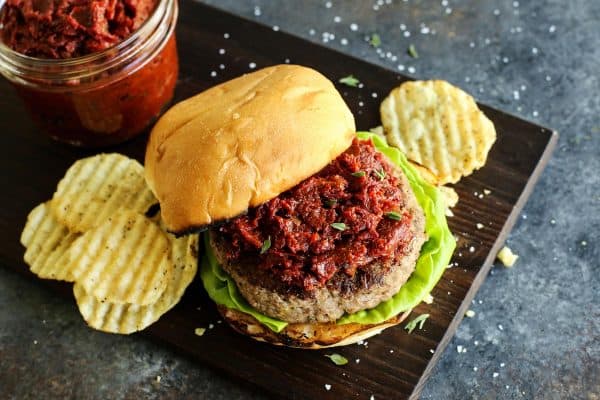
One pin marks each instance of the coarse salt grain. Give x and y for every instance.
(495, 374)
(327, 386)
(479, 225)
(252, 65)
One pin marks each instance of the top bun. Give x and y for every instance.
(243, 142)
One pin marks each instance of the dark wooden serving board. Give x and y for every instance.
(31, 166)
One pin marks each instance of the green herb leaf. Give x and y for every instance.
(375, 40)
(420, 320)
(266, 245)
(349, 80)
(412, 51)
(359, 174)
(337, 359)
(393, 215)
(380, 174)
(340, 226)
(330, 202)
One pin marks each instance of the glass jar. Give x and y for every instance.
(105, 97)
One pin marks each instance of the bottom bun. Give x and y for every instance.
(306, 336)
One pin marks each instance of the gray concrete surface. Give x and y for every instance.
(536, 332)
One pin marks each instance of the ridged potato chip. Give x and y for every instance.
(46, 242)
(129, 318)
(438, 126)
(125, 259)
(95, 187)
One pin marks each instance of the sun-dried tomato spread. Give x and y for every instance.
(346, 217)
(70, 28)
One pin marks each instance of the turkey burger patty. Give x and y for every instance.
(341, 241)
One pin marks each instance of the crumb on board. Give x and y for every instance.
(470, 314)
(199, 331)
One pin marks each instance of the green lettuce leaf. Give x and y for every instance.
(222, 289)
(435, 256)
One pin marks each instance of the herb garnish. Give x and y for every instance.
(380, 174)
(330, 202)
(337, 359)
(420, 320)
(359, 174)
(266, 245)
(412, 51)
(340, 226)
(375, 40)
(393, 215)
(350, 80)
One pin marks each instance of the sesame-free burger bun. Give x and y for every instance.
(307, 336)
(243, 142)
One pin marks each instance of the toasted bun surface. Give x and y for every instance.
(306, 336)
(243, 142)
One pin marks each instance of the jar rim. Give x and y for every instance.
(68, 69)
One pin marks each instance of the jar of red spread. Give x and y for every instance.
(92, 73)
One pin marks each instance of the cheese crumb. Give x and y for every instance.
(158, 378)
(487, 191)
(199, 331)
(507, 257)
(470, 313)
(479, 225)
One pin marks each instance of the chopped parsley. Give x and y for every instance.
(340, 226)
(393, 215)
(375, 40)
(359, 174)
(337, 359)
(420, 320)
(330, 202)
(380, 174)
(266, 245)
(350, 80)
(412, 51)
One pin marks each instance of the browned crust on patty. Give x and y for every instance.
(342, 294)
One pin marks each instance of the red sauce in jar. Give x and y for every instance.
(70, 28)
(346, 217)
(113, 104)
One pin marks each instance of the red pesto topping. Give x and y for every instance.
(70, 28)
(357, 190)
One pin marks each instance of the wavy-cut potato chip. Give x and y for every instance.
(95, 187)
(46, 242)
(125, 259)
(129, 318)
(438, 126)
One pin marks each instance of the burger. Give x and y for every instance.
(315, 235)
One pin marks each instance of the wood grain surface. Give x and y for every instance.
(393, 365)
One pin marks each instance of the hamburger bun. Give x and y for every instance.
(307, 336)
(243, 142)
